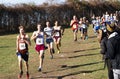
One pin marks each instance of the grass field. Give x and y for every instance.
(77, 60)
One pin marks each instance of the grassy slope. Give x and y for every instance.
(78, 60)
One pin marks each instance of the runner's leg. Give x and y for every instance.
(51, 49)
(58, 44)
(75, 35)
(41, 56)
(20, 66)
(20, 62)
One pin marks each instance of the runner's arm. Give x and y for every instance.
(53, 31)
(62, 31)
(45, 34)
(17, 43)
(99, 36)
(33, 37)
(71, 23)
(27, 40)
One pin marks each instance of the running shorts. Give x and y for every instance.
(38, 48)
(48, 41)
(24, 56)
(56, 38)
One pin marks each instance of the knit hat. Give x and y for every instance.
(111, 27)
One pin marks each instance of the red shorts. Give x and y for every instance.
(38, 48)
(56, 38)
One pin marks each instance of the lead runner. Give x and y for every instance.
(22, 43)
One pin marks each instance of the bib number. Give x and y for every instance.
(84, 26)
(74, 26)
(39, 41)
(57, 34)
(22, 46)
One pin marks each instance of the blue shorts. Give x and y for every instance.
(49, 40)
(24, 56)
(96, 28)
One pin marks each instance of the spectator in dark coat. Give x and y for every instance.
(113, 49)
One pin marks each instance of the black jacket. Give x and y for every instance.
(113, 50)
(103, 43)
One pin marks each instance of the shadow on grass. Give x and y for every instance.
(76, 66)
(46, 77)
(84, 55)
(85, 50)
(93, 36)
(4, 46)
(79, 72)
(65, 67)
(77, 51)
(69, 74)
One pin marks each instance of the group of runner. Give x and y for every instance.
(79, 25)
(100, 22)
(50, 34)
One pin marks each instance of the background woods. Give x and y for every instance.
(29, 15)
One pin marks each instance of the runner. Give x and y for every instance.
(80, 28)
(103, 24)
(111, 18)
(83, 29)
(107, 18)
(93, 21)
(74, 23)
(97, 25)
(115, 17)
(22, 43)
(57, 35)
(49, 38)
(38, 37)
(86, 22)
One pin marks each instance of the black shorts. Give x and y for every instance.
(24, 56)
(48, 41)
(83, 30)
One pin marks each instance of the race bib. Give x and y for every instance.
(22, 46)
(57, 34)
(74, 26)
(84, 26)
(39, 41)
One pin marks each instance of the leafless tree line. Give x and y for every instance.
(29, 15)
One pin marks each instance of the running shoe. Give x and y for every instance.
(20, 74)
(53, 51)
(27, 75)
(51, 57)
(86, 37)
(39, 70)
(46, 47)
(80, 37)
(58, 51)
(75, 40)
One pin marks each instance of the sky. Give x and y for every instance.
(37, 2)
